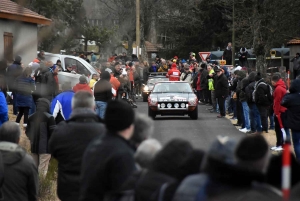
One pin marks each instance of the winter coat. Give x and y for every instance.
(3, 109)
(173, 74)
(82, 87)
(46, 86)
(242, 93)
(102, 91)
(186, 77)
(40, 127)
(68, 143)
(249, 91)
(221, 89)
(21, 174)
(147, 185)
(279, 92)
(115, 83)
(241, 54)
(292, 103)
(107, 164)
(62, 105)
(260, 93)
(296, 63)
(163, 68)
(24, 88)
(203, 79)
(13, 72)
(211, 80)
(227, 55)
(153, 68)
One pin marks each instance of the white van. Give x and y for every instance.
(79, 65)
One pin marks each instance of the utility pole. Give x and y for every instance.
(233, 34)
(138, 36)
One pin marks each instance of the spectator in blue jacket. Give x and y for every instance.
(61, 104)
(23, 95)
(3, 109)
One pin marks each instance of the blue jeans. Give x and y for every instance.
(228, 104)
(246, 115)
(101, 108)
(296, 142)
(257, 119)
(271, 118)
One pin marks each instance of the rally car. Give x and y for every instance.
(172, 98)
(150, 84)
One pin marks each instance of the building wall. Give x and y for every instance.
(25, 40)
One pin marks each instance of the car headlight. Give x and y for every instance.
(152, 101)
(182, 105)
(176, 105)
(162, 105)
(146, 88)
(193, 101)
(169, 105)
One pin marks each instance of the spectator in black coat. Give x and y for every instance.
(221, 90)
(39, 129)
(21, 175)
(14, 71)
(243, 56)
(227, 54)
(109, 161)
(69, 141)
(292, 103)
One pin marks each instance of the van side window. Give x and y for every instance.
(71, 62)
(82, 69)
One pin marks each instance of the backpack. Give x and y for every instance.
(268, 94)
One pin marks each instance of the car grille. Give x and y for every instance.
(169, 105)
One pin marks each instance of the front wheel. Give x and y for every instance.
(151, 113)
(194, 113)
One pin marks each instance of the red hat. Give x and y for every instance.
(175, 57)
(174, 65)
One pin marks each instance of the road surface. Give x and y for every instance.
(200, 133)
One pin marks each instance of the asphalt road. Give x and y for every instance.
(200, 133)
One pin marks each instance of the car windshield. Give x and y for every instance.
(171, 87)
(153, 81)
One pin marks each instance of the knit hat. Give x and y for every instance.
(183, 61)
(119, 115)
(18, 58)
(82, 79)
(258, 76)
(248, 157)
(105, 75)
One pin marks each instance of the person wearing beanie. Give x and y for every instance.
(109, 161)
(39, 130)
(82, 85)
(103, 93)
(263, 98)
(292, 103)
(232, 170)
(173, 74)
(13, 72)
(61, 104)
(69, 141)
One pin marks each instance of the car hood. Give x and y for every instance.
(172, 97)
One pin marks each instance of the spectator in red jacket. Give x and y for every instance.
(82, 85)
(173, 73)
(279, 111)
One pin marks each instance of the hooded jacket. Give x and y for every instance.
(68, 143)
(3, 109)
(102, 88)
(221, 87)
(292, 103)
(250, 87)
(13, 71)
(40, 127)
(174, 73)
(186, 77)
(21, 175)
(279, 92)
(24, 86)
(82, 87)
(62, 104)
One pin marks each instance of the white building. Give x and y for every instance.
(18, 30)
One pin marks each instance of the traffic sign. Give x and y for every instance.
(204, 55)
(222, 62)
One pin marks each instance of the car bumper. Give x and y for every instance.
(172, 110)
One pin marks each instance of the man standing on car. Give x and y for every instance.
(221, 91)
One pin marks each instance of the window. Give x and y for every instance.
(77, 66)
(8, 46)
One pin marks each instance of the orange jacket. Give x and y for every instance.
(173, 73)
(115, 83)
(82, 87)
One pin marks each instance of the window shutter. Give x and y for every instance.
(8, 46)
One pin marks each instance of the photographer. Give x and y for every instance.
(243, 57)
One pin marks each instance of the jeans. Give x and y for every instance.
(213, 99)
(234, 108)
(240, 114)
(279, 135)
(256, 116)
(221, 103)
(228, 104)
(296, 142)
(101, 108)
(246, 115)
(263, 111)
